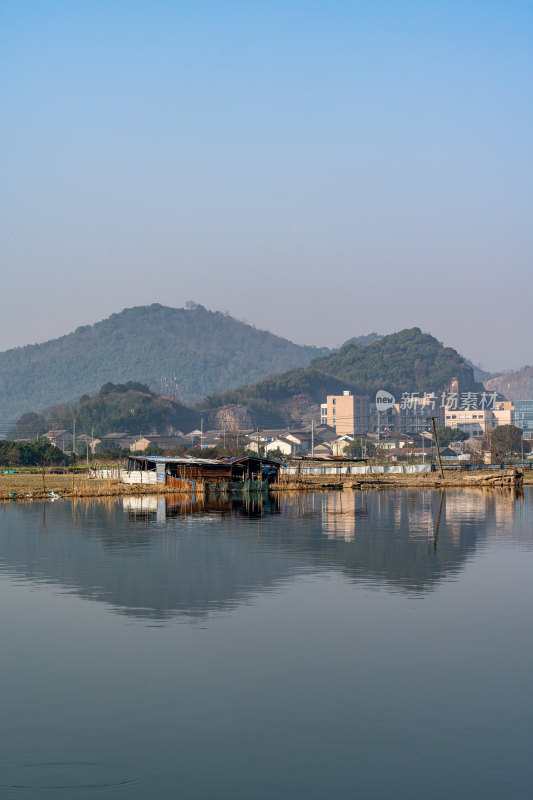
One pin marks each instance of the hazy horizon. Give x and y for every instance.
(321, 171)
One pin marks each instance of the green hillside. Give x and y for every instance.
(124, 408)
(266, 398)
(408, 361)
(194, 350)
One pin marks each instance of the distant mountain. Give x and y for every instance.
(188, 353)
(514, 386)
(364, 341)
(481, 375)
(408, 361)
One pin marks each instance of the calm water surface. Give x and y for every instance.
(338, 645)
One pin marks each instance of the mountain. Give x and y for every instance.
(364, 341)
(126, 408)
(514, 386)
(408, 361)
(481, 375)
(188, 352)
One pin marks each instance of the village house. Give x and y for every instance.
(302, 443)
(323, 449)
(59, 438)
(164, 442)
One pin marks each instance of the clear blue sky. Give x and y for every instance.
(322, 169)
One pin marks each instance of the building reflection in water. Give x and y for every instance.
(159, 556)
(339, 513)
(414, 511)
(160, 508)
(479, 505)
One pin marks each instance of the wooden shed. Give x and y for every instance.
(230, 472)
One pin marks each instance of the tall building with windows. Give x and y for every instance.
(473, 422)
(523, 417)
(347, 413)
(477, 421)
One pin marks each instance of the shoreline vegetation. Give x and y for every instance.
(39, 486)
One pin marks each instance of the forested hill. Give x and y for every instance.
(200, 351)
(408, 361)
(129, 408)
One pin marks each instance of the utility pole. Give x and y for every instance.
(202, 434)
(74, 436)
(437, 447)
(258, 446)
(312, 437)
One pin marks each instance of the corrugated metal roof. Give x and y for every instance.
(192, 460)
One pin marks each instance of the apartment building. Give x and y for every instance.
(347, 413)
(476, 422)
(472, 422)
(503, 413)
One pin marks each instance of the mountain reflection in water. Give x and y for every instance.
(159, 557)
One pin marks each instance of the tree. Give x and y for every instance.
(359, 448)
(153, 450)
(447, 435)
(31, 454)
(505, 441)
(276, 455)
(29, 426)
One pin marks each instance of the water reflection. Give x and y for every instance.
(159, 557)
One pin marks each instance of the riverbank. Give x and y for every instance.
(421, 480)
(36, 487)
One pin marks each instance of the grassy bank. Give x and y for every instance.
(32, 486)
(27, 486)
(384, 480)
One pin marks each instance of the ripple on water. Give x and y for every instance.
(63, 776)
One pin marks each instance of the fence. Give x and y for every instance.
(350, 469)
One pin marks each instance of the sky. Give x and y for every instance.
(319, 169)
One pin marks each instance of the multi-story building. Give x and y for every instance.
(473, 422)
(415, 417)
(523, 417)
(477, 421)
(503, 412)
(347, 413)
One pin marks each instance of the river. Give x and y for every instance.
(331, 645)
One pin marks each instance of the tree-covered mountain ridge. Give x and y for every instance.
(187, 352)
(130, 408)
(407, 361)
